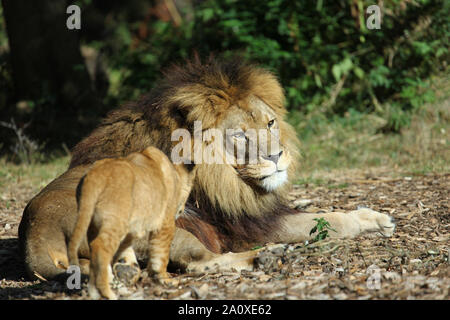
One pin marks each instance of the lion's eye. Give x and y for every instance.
(270, 123)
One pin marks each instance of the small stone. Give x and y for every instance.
(298, 286)
(336, 260)
(340, 296)
(278, 251)
(435, 272)
(201, 292)
(265, 277)
(396, 261)
(355, 195)
(339, 270)
(123, 291)
(242, 287)
(7, 226)
(185, 295)
(302, 203)
(138, 295)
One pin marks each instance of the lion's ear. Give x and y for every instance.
(197, 103)
(266, 86)
(179, 113)
(187, 98)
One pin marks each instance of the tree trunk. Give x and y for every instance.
(49, 70)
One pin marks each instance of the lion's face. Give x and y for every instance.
(253, 141)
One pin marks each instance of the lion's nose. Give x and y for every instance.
(273, 157)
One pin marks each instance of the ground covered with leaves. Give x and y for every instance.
(412, 264)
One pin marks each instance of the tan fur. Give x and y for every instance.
(125, 199)
(231, 207)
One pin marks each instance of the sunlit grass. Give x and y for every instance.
(355, 141)
(37, 175)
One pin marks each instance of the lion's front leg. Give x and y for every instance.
(296, 228)
(190, 254)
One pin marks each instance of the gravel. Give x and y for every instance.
(412, 264)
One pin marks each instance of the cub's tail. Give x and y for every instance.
(88, 191)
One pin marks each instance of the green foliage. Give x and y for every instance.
(311, 46)
(328, 62)
(321, 228)
(135, 71)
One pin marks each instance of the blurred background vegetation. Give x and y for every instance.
(356, 96)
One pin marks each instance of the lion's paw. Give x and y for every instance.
(374, 221)
(386, 224)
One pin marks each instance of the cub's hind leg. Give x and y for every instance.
(103, 248)
(111, 232)
(159, 249)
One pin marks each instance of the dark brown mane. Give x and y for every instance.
(220, 233)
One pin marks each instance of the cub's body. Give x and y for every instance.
(123, 199)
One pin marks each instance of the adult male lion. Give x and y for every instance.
(231, 208)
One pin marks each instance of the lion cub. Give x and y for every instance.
(123, 199)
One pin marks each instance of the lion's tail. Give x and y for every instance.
(88, 192)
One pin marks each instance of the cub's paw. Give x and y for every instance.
(96, 294)
(126, 273)
(167, 281)
(374, 221)
(93, 292)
